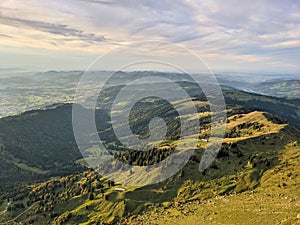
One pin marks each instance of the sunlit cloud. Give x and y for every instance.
(260, 34)
(285, 44)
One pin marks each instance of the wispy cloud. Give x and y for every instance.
(233, 32)
(98, 2)
(53, 28)
(285, 44)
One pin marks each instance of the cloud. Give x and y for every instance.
(6, 36)
(251, 31)
(285, 44)
(53, 28)
(98, 2)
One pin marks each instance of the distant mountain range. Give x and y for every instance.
(23, 92)
(272, 86)
(279, 88)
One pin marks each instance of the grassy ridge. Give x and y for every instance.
(252, 196)
(254, 179)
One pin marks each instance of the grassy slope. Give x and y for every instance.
(235, 188)
(275, 201)
(283, 107)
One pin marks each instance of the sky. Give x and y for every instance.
(231, 35)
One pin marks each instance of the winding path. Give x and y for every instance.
(13, 220)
